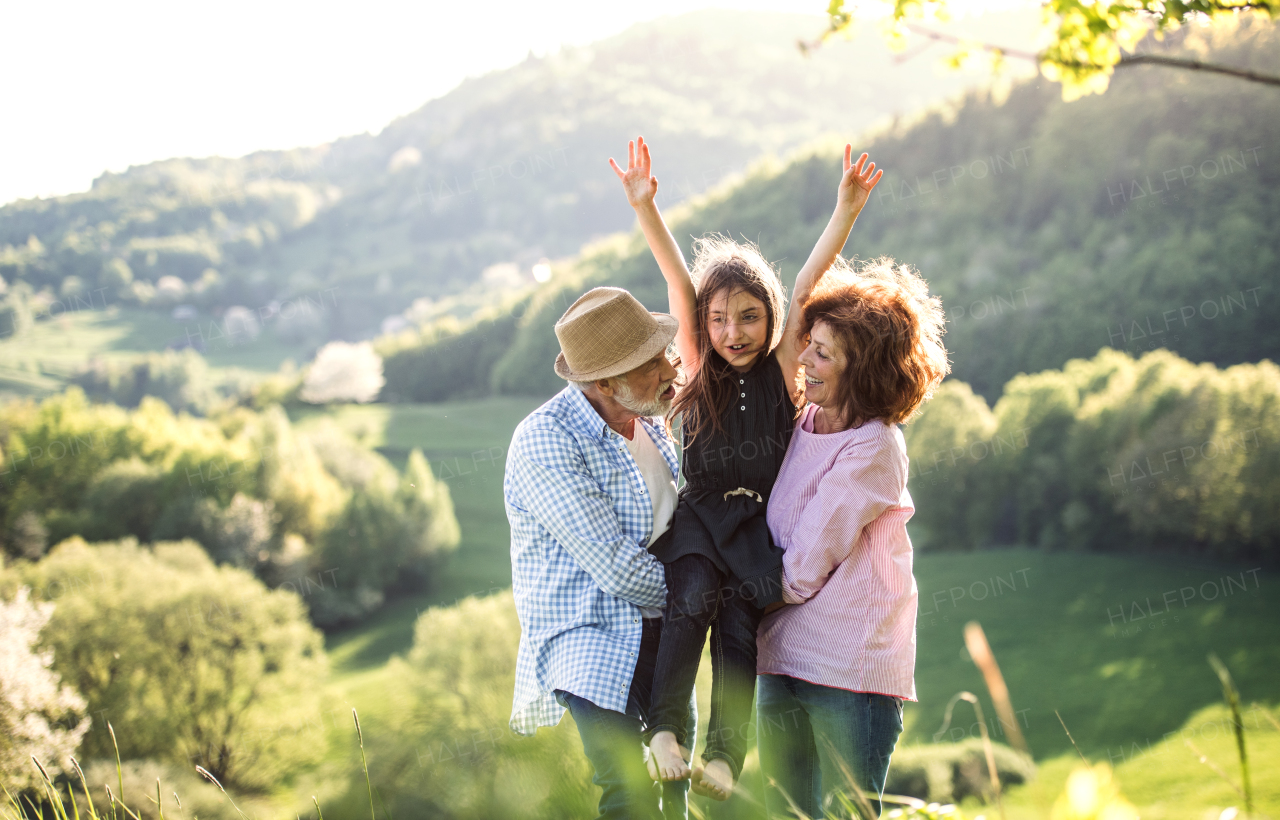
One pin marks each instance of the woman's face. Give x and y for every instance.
(738, 324)
(824, 362)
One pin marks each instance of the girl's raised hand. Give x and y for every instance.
(639, 184)
(858, 180)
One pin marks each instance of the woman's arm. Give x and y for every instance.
(855, 187)
(641, 186)
(865, 481)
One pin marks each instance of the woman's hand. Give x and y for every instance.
(856, 184)
(774, 607)
(639, 184)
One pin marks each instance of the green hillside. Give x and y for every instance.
(506, 169)
(1138, 219)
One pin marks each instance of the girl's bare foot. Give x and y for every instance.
(714, 781)
(666, 755)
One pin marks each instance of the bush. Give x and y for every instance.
(450, 752)
(950, 772)
(1107, 453)
(244, 485)
(190, 663)
(442, 362)
(180, 379)
(390, 535)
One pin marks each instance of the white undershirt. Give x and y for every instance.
(661, 487)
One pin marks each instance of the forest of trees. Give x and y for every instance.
(502, 171)
(314, 510)
(1140, 219)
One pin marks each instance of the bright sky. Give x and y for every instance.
(92, 86)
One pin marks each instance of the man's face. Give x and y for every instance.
(649, 389)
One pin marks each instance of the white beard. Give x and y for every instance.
(655, 406)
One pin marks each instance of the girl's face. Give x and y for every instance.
(823, 362)
(739, 327)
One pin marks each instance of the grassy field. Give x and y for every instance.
(465, 444)
(1117, 644)
(38, 361)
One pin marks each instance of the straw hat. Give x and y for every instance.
(608, 332)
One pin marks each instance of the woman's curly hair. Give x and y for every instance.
(890, 330)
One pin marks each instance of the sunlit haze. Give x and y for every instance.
(93, 87)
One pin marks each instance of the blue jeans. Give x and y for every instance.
(698, 600)
(614, 744)
(806, 731)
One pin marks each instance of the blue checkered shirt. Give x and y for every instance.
(580, 518)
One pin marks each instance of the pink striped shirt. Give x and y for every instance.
(840, 510)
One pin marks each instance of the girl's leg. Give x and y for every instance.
(693, 585)
(733, 668)
(788, 756)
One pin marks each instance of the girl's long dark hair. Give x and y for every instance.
(721, 264)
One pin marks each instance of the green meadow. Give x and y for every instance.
(39, 361)
(1115, 644)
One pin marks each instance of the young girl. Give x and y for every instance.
(738, 411)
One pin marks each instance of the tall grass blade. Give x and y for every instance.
(159, 800)
(51, 793)
(75, 807)
(988, 750)
(84, 784)
(119, 801)
(363, 760)
(1204, 758)
(119, 771)
(1070, 738)
(975, 640)
(319, 813)
(203, 772)
(863, 804)
(796, 810)
(1233, 701)
(1267, 714)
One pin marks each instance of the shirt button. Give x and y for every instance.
(743, 395)
(743, 407)
(642, 490)
(742, 381)
(635, 620)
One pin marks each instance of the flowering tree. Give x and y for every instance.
(344, 372)
(38, 716)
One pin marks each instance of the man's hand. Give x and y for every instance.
(856, 184)
(639, 184)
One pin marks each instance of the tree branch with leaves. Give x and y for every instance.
(1088, 40)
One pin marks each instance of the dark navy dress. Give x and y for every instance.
(732, 531)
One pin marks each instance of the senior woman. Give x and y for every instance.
(837, 661)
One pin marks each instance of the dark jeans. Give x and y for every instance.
(806, 731)
(613, 743)
(697, 598)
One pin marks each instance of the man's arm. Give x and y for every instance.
(556, 488)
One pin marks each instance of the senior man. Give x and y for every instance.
(590, 483)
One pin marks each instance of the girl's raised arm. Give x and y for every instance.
(855, 187)
(641, 186)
